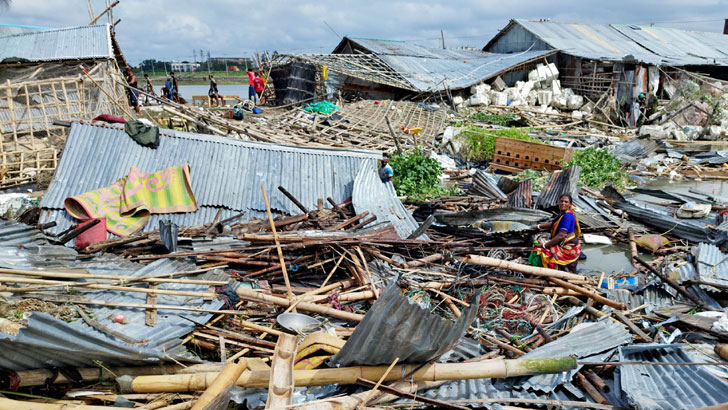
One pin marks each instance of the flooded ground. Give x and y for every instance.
(606, 258)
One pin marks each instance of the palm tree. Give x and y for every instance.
(4, 4)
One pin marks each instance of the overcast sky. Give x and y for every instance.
(172, 29)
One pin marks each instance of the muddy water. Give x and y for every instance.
(605, 258)
(616, 258)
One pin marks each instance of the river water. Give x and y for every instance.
(189, 91)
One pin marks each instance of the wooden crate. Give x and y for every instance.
(515, 154)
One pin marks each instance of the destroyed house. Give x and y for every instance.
(225, 176)
(593, 59)
(43, 80)
(375, 68)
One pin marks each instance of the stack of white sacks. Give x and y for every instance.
(543, 89)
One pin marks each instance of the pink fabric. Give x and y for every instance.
(95, 234)
(110, 118)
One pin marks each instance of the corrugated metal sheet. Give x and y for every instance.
(522, 197)
(651, 45)
(226, 173)
(14, 233)
(522, 215)
(73, 43)
(693, 230)
(486, 184)
(635, 150)
(655, 298)
(430, 69)
(711, 264)
(50, 342)
(668, 387)
(589, 341)
(476, 393)
(395, 327)
(558, 184)
(12, 29)
(380, 199)
(682, 46)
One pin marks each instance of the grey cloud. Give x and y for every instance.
(171, 29)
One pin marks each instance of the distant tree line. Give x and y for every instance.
(212, 64)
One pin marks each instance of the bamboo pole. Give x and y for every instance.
(278, 244)
(494, 368)
(519, 267)
(206, 295)
(39, 377)
(588, 293)
(222, 384)
(310, 307)
(123, 279)
(113, 101)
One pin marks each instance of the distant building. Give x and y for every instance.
(236, 60)
(233, 68)
(184, 67)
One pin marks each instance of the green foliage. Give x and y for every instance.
(598, 168)
(503, 120)
(417, 176)
(480, 142)
(537, 179)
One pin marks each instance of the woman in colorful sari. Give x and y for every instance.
(563, 250)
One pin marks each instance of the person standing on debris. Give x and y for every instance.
(174, 90)
(386, 173)
(563, 249)
(132, 93)
(252, 95)
(212, 93)
(167, 89)
(259, 85)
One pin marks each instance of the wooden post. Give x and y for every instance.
(588, 293)
(672, 284)
(278, 245)
(222, 384)
(310, 307)
(280, 384)
(518, 267)
(391, 131)
(11, 108)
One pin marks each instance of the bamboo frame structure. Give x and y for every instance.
(33, 97)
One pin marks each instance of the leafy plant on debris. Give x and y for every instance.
(480, 142)
(417, 176)
(537, 179)
(599, 168)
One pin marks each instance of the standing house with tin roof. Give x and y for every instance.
(594, 59)
(388, 69)
(42, 81)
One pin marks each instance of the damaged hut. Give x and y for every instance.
(619, 60)
(382, 69)
(50, 75)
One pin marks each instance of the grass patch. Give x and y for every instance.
(480, 142)
(599, 168)
(417, 176)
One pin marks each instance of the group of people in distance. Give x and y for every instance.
(170, 91)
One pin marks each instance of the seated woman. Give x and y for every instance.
(563, 250)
